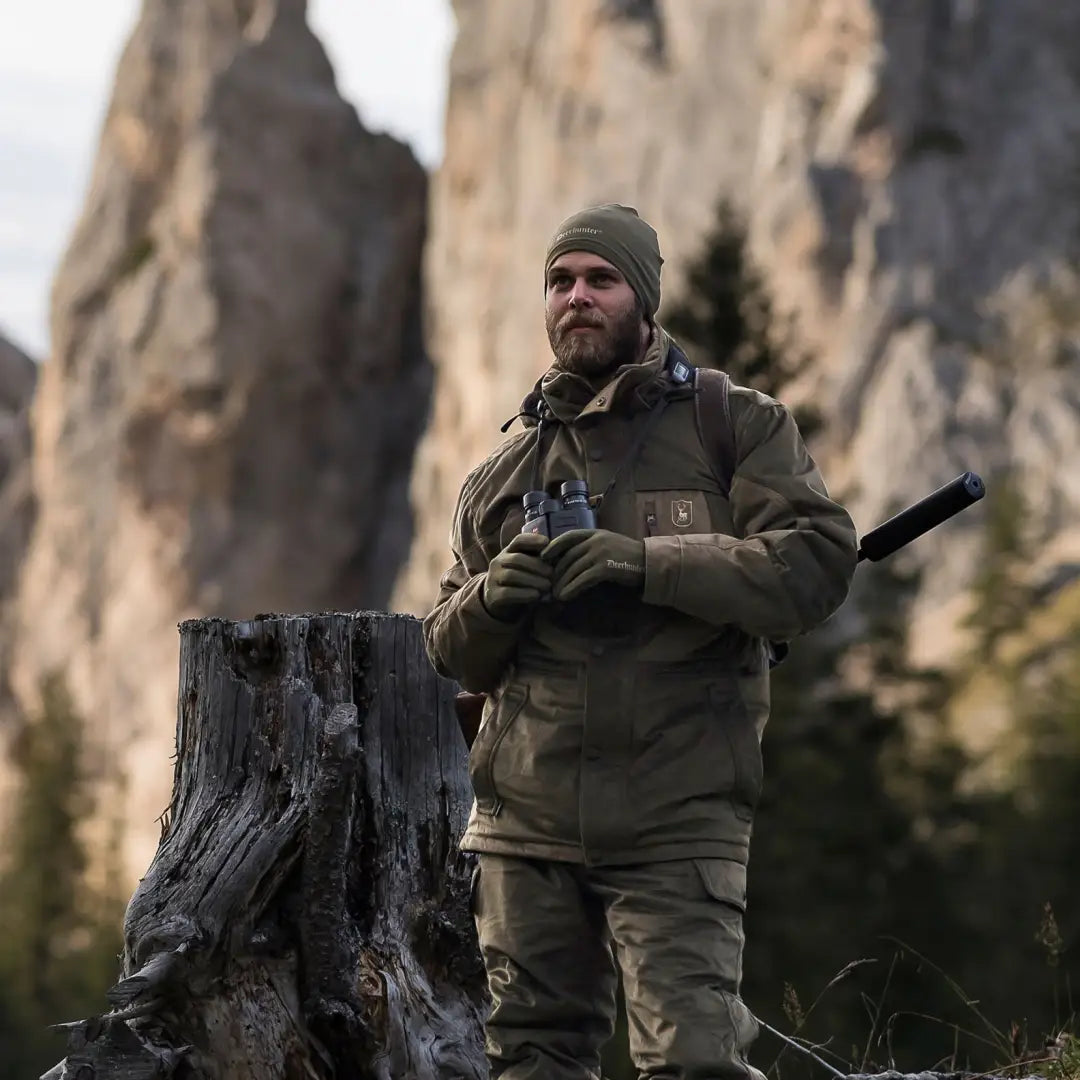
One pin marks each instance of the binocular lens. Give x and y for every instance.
(552, 517)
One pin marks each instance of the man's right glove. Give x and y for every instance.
(517, 577)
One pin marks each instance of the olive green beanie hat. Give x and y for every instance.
(619, 235)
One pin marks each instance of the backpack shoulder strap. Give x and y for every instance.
(716, 430)
(712, 414)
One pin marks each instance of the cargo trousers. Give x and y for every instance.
(549, 933)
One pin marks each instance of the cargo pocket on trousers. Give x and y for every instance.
(486, 746)
(725, 882)
(742, 736)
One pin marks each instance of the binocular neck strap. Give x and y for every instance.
(632, 455)
(538, 451)
(634, 452)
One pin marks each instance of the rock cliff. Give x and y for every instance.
(18, 377)
(908, 173)
(226, 422)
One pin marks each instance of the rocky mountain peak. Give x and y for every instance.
(227, 419)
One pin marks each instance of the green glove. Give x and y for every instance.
(517, 577)
(583, 558)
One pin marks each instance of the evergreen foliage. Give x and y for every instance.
(1002, 597)
(58, 951)
(727, 318)
(841, 860)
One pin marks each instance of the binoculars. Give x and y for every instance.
(552, 517)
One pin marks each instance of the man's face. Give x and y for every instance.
(593, 318)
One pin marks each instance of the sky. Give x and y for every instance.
(57, 63)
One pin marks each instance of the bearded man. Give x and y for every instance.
(626, 667)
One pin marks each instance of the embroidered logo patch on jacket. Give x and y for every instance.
(682, 512)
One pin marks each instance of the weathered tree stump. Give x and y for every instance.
(307, 911)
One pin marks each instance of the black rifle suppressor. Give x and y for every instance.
(922, 516)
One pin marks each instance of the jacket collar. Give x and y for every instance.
(632, 388)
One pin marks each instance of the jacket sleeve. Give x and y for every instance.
(791, 561)
(463, 640)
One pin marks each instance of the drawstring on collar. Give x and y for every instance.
(532, 408)
(506, 427)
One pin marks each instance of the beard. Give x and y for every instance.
(614, 342)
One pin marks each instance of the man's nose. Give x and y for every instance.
(579, 295)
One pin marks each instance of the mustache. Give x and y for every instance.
(573, 322)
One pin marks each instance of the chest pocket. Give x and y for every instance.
(680, 512)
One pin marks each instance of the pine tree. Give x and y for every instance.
(58, 952)
(1002, 597)
(727, 318)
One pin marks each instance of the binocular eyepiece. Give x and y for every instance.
(552, 517)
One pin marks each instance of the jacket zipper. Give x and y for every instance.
(650, 518)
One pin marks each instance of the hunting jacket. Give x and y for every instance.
(626, 726)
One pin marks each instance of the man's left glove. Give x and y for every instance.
(585, 557)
